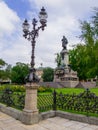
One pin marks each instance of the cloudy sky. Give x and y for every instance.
(63, 19)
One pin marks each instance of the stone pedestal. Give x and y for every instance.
(65, 58)
(30, 111)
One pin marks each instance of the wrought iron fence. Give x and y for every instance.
(12, 99)
(17, 100)
(85, 102)
(45, 102)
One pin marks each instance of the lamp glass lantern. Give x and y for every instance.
(25, 26)
(43, 16)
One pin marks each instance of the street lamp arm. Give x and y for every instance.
(31, 36)
(34, 33)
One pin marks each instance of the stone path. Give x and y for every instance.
(56, 123)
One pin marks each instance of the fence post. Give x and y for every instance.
(30, 111)
(87, 101)
(54, 100)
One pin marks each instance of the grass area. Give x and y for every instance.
(75, 90)
(44, 90)
(94, 90)
(70, 90)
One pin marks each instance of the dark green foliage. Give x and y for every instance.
(84, 57)
(14, 88)
(48, 74)
(5, 70)
(6, 97)
(58, 59)
(19, 72)
(77, 60)
(13, 96)
(12, 99)
(2, 63)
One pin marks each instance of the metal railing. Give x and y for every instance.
(86, 102)
(12, 99)
(45, 102)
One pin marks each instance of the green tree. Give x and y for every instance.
(78, 61)
(2, 63)
(95, 22)
(48, 74)
(3, 73)
(90, 37)
(84, 58)
(19, 72)
(58, 59)
(8, 71)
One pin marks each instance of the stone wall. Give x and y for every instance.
(62, 84)
(42, 116)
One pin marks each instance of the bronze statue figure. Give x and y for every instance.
(64, 42)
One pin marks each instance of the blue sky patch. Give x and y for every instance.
(19, 6)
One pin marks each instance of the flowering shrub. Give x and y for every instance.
(44, 89)
(14, 88)
(21, 88)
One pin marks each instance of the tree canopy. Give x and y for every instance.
(2, 63)
(4, 70)
(19, 72)
(84, 57)
(58, 59)
(48, 74)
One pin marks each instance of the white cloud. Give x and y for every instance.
(8, 19)
(63, 16)
(49, 3)
(62, 20)
(12, 46)
(19, 51)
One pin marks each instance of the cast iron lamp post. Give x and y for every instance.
(31, 36)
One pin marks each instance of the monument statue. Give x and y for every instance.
(64, 74)
(64, 42)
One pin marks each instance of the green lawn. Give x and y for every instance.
(94, 90)
(75, 90)
(69, 90)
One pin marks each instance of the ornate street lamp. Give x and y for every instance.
(31, 36)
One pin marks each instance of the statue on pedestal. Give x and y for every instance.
(64, 75)
(64, 43)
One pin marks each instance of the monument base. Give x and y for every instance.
(66, 77)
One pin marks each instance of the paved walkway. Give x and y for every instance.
(56, 123)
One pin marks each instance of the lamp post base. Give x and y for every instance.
(32, 77)
(30, 111)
